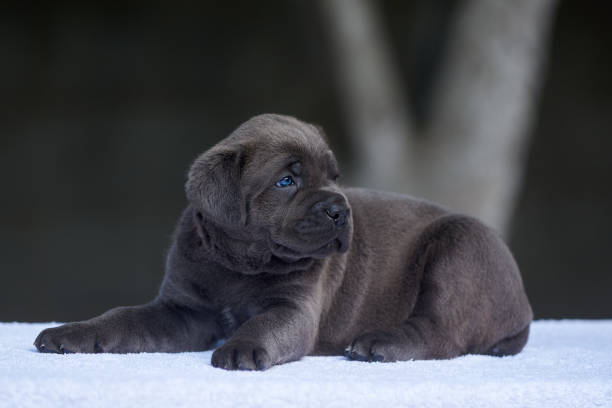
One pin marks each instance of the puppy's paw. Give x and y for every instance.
(69, 338)
(241, 356)
(378, 346)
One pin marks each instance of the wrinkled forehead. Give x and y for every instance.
(266, 159)
(277, 153)
(274, 144)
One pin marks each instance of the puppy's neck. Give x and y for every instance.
(242, 251)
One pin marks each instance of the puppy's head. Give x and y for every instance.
(272, 183)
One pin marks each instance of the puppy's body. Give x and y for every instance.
(445, 280)
(316, 269)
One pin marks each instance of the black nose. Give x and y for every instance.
(337, 213)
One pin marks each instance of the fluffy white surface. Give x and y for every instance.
(565, 364)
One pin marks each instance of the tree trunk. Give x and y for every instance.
(374, 105)
(484, 105)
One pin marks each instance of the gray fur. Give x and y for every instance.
(313, 269)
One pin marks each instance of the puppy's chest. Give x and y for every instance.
(236, 298)
(231, 318)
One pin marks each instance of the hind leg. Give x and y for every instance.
(471, 299)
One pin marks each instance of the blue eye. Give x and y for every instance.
(285, 182)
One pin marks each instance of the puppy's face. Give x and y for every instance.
(273, 180)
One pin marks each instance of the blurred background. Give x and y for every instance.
(502, 110)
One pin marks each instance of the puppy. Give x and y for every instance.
(273, 256)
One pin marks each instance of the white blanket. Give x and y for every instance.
(565, 364)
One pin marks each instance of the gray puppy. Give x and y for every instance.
(272, 255)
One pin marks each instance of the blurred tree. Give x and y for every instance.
(469, 154)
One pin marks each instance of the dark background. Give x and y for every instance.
(103, 107)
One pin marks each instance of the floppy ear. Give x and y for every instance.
(213, 185)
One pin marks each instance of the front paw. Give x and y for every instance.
(69, 338)
(241, 356)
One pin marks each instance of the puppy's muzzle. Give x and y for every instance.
(325, 217)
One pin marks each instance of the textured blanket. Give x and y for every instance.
(565, 364)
